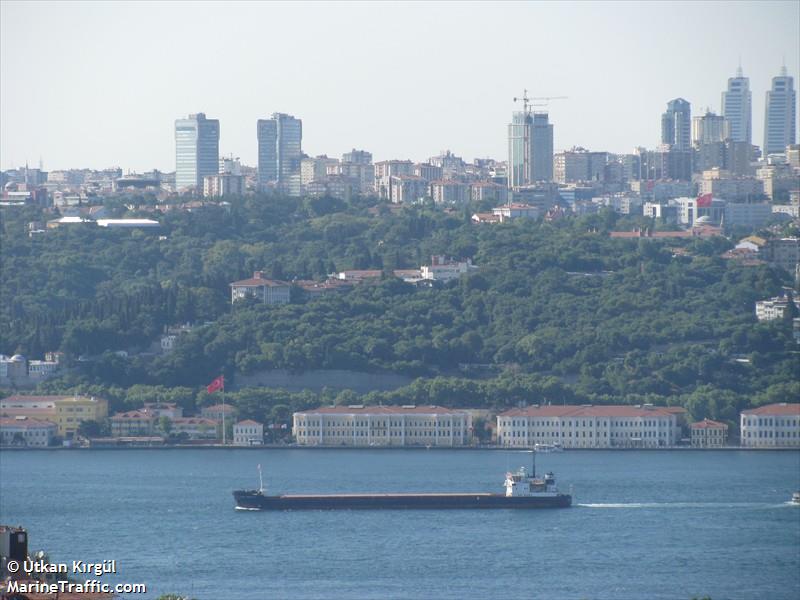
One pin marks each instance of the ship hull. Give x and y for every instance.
(249, 500)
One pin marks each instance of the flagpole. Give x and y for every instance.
(223, 410)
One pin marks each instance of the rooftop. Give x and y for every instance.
(361, 409)
(708, 424)
(614, 410)
(778, 409)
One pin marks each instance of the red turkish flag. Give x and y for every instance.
(704, 200)
(217, 384)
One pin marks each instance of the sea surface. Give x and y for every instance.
(645, 525)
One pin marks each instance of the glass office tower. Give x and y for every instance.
(196, 150)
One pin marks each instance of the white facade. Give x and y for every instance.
(709, 434)
(771, 426)
(26, 431)
(360, 425)
(774, 308)
(268, 291)
(441, 269)
(248, 433)
(589, 427)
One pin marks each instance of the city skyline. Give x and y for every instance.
(344, 93)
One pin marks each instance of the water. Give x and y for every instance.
(656, 525)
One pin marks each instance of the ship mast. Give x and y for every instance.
(533, 457)
(260, 481)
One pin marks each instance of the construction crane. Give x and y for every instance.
(529, 103)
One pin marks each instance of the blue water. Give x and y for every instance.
(655, 525)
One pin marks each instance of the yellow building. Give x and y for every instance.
(67, 412)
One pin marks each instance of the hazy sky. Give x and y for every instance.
(100, 84)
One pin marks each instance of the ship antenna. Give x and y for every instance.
(260, 481)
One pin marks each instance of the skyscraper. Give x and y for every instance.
(279, 148)
(196, 150)
(676, 125)
(736, 107)
(709, 129)
(780, 120)
(530, 148)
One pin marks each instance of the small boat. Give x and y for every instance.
(547, 448)
(522, 490)
(796, 498)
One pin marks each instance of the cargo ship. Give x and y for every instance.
(522, 490)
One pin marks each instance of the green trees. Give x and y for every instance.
(558, 312)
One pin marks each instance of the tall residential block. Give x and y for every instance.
(676, 125)
(737, 108)
(530, 149)
(709, 129)
(780, 120)
(279, 148)
(196, 150)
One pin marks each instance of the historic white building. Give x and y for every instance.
(26, 431)
(248, 433)
(772, 425)
(267, 291)
(360, 425)
(590, 426)
(709, 434)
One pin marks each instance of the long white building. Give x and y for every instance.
(590, 426)
(771, 426)
(359, 425)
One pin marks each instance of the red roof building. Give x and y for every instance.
(360, 425)
(709, 434)
(771, 426)
(590, 426)
(267, 291)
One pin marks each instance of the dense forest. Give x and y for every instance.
(557, 312)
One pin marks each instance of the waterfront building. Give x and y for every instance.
(26, 431)
(359, 425)
(780, 119)
(737, 108)
(709, 434)
(133, 423)
(196, 428)
(771, 426)
(279, 149)
(248, 433)
(676, 125)
(196, 151)
(588, 426)
(267, 291)
(67, 412)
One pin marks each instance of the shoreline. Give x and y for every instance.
(411, 448)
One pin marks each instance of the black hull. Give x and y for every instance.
(249, 500)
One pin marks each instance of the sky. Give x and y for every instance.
(100, 84)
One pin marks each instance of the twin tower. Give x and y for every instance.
(197, 150)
